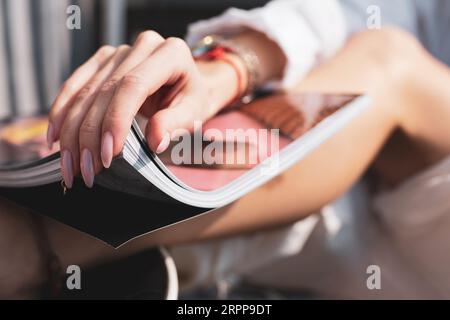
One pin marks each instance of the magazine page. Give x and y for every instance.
(226, 147)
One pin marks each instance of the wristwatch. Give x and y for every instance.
(210, 45)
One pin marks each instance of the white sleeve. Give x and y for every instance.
(307, 31)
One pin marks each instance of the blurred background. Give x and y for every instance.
(37, 55)
(121, 20)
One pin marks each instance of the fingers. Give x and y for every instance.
(81, 128)
(90, 131)
(166, 122)
(69, 137)
(94, 117)
(169, 65)
(70, 89)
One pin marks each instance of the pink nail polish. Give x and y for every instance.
(87, 168)
(50, 136)
(107, 149)
(164, 144)
(67, 168)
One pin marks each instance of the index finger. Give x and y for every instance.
(70, 89)
(168, 64)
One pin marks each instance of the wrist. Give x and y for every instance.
(226, 80)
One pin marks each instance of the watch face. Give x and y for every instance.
(205, 52)
(204, 45)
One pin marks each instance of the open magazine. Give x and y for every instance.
(216, 164)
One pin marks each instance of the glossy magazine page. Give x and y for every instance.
(266, 150)
(247, 136)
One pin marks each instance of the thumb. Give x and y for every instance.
(165, 123)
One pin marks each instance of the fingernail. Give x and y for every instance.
(50, 136)
(87, 168)
(164, 144)
(107, 149)
(67, 168)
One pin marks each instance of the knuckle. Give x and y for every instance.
(89, 129)
(181, 51)
(86, 92)
(108, 86)
(177, 43)
(132, 82)
(68, 87)
(148, 37)
(105, 51)
(123, 47)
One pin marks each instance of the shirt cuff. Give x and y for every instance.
(305, 31)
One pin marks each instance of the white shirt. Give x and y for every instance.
(403, 231)
(308, 31)
(296, 26)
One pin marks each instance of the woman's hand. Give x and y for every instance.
(158, 77)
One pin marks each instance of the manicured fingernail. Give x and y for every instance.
(67, 168)
(87, 168)
(50, 136)
(107, 149)
(164, 144)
